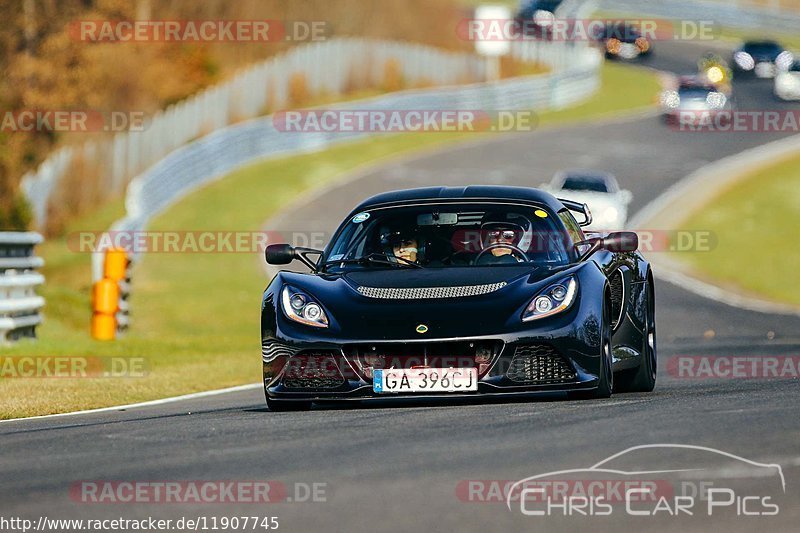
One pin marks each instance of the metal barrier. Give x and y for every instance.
(218, 153)
(329, 67)
(20, 306)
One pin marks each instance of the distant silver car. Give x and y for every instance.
(597, 189)
(696, 101)
(787, 84)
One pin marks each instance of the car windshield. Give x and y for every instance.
(584, 183)
(762, 48)
(450, 235)
(694, 93)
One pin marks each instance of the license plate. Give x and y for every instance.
(425, 380)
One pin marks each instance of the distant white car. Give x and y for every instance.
(787, 83)
(597, 189)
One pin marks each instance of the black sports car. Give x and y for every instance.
(623, 40)
(459, 291)
(764, 58)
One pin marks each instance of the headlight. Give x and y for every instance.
(744, 60)
(784, 60)
(610, 213)
(300, 307)
(670, 99)
(543, 18)
(715, 74)
(552, 300)
(716, 100)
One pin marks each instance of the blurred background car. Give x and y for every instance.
(695, 99)
(763, 58)
(623, 40)
(536, 17)
(597, 189)
(787, 84)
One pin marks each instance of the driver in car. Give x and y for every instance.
(500, 243)
(401, 245)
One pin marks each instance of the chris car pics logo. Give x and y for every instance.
(681, 481)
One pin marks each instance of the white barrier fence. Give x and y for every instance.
(328, 68)
(20, 306)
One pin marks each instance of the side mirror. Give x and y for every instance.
(621, 241)
(283, 254)
(280, 254)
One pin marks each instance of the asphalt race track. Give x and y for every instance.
(397, 466)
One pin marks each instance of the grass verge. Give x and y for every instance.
(752, 222)
(195, 316)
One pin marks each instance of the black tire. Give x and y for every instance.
(643, 378)
(278, 406)
(605, 386)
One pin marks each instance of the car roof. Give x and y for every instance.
(471, 192)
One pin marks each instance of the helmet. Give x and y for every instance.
(392, 236)
(493, 223)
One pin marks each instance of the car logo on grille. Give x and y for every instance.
(422, 328)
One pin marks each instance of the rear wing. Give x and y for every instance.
(578, 207)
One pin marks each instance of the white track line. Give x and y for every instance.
(150, 403)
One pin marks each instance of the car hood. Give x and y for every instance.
(451, 302)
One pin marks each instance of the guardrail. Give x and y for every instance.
(328, 67)
(20, 306)
(218, 153)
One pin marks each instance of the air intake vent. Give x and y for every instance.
(424, 293)
(617, 286)
(272, 349)
(539, 363)
(312, 370)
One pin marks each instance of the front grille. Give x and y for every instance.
(312, 370)
(421, 293)
(539, 363)
(445, 354)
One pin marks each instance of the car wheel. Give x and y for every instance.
(605, 386)
(643, 379)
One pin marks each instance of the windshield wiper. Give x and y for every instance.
(373, 258)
